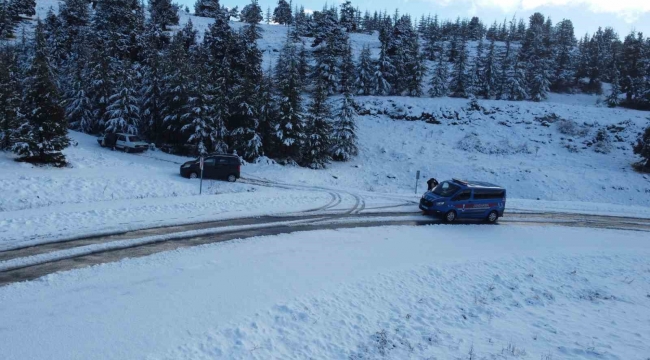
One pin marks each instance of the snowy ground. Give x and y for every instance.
(394, 292)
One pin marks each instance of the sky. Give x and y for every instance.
(623, 15)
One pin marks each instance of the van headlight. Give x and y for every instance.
(185, 166)
(440, 203)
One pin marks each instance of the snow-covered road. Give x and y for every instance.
(388, 292)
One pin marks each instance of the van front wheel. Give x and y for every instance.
(492, 217)
(450, 216)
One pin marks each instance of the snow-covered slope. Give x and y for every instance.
(518, 145)
(433, 292)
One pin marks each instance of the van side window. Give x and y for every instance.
(121, 138)
(464, 195)
(208, 162)
(488, 194)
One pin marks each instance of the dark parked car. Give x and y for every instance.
(223, 167)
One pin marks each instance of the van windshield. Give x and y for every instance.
(446, 189)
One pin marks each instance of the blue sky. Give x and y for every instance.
(587, 15)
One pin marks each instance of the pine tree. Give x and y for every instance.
(489, 74)
(460, 79)
(208, 8)
(188, 35)
(503, 81)
(6, 20)
(10, 96)
(123, 111)
(642, 148)
(347, 16)
(246, 133)
(317, 129)
(200, 117)
(440, 79)
(176, 76)
(163, 13)
(289, 129)
(347, 74)
(282, 13)
(152, 87)
(268, 112)
(613, 98)
(564, 56)
(364, 72)
(517, 86)
(383, 68)
(23, 7)
(416, 68)
(344, 138)
(78, 100)
(268, 17)
(43, 133)
(475, 76)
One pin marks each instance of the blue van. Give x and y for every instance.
(460, 199)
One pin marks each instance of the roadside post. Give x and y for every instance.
(201, 183)
(417, 177)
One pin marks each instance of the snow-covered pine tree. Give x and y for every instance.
(632, 68)
(317, 129)
(564, 56)
(347, 15)
(476, 71)
(440, 79)
(6, 20)
(78, 99)
(152, 86)
(383, 68)
(176, 77)
(364, 72)
(517, 85)
(163, 13)
(208, 8)
(42, 135)
(282, 13)
(10, 96)
(268, 17)
(489, 73)
(301, 23)
(328, 54)
(505, 71)
(432, 39)
(199, 118)
(416, 68)
(460, 79)
(289, 129)
(402, 47)
(268, 112)
(75, 17)
(123, 110)
(22, 7)
(116, 25)
(246, 134)
(344, 137)
(347, 77)
(613, 97)
(188, 34)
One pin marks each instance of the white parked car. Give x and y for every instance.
(125, 142)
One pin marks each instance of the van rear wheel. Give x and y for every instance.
(232, 178)
(450, 216)
(492, 217)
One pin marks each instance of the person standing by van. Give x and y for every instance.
(431, 184)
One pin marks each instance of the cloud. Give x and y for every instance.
(630, 10)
